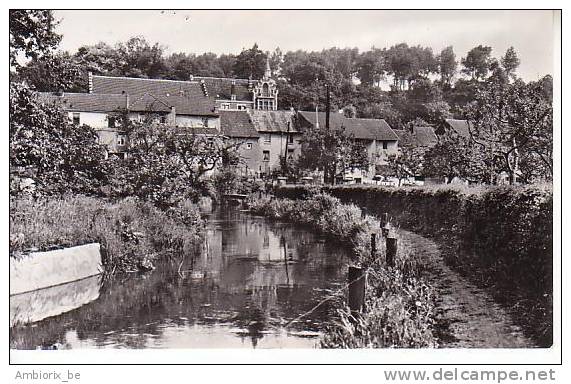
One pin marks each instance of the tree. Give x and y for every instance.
(166, 164)
(138, 58)
(250, 63)
(32, 34)
(54, 73)
(447, 65)
(477, 62)
(370, 67)
(57, 155)
(510, 62)
(456, 157)
(332, 151)
(408, 162)
(508, 120)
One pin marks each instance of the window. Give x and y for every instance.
(290, 139)
(205, 122)
(385, 145)
(266, 155)
(268, 138)
(76, 119)
(290, 154)
(163, 119)
(111, 121)
(248, 145)
(120, 139)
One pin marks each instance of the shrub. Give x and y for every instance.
(130, 231)
(500, 237)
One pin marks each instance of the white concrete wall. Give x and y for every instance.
(93, 119)
(45, 269)
(196, 121)
(42, 303)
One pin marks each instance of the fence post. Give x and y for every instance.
(373, 245)
(357, 281)
(385, 228)
(392, 247)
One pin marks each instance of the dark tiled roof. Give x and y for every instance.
(406, 139)
(86, 102)
(459, 126)
(369, 129)
(237, 124)
(220, 87)
(425, 136)
(273, 121)
(148, 103)
(186, 96)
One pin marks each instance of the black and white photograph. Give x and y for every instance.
(303, 180)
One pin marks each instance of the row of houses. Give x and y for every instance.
(242, 110)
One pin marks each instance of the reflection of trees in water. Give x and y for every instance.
(222, 288)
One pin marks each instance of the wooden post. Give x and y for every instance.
(384, 220)
(373, 244)
(357, 281)
(392, 247)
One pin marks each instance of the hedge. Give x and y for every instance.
(500, 236)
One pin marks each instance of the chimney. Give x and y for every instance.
(203, 86)
(191, 77)
(233, 90)
(90, 81)
(316, 117)
(127, 101)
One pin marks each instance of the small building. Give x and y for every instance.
(238, 127)
(376, 135)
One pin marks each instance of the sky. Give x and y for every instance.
(197, 31)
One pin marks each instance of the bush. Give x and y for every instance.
(130, 231)
(501, 237)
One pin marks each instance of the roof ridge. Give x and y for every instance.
(154, 97)
(143, 79)
(221, 78)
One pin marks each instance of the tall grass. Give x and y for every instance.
(130, 231)
(499, 237)
(399, 305)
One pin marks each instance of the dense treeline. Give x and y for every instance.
(423, 84)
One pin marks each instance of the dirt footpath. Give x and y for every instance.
(467, 316)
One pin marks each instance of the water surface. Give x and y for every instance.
(245, 288)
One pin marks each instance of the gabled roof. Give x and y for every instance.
(148, 103)
(85, 102)
(221, 87)
(425, 136)
(273, 121)
(367, 129)
(237, 124)
(461, 127)
(187, 97)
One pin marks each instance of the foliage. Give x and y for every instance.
(57, 155)
(407, 163)
(331, 150)
(477, 62)
(250, 63)
(167, 164)
(499, 237)
(447, 65)
(58, 72)
(129, 230)
(32, 34)
(511, 120)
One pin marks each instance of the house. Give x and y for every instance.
(378, 138)
(242, 94)
(454, 126)
(239, 128)
(279, 138)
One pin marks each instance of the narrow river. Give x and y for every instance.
(251, 278)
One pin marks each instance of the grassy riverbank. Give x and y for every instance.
(400, 306)
(132, 233)
(498, 237)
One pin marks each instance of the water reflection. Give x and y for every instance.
(250, 279)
